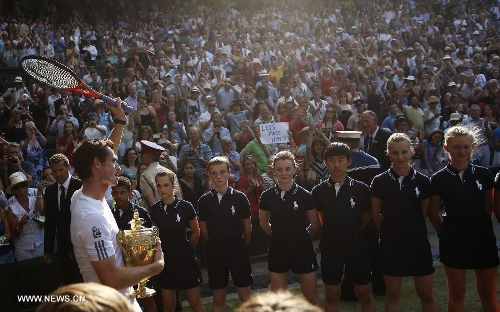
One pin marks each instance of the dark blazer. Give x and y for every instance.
(57, 221)
(379, 148)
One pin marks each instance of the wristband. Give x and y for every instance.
(119, 121)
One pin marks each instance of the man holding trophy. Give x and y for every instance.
(93, 227)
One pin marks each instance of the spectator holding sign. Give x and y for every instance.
(258, 150)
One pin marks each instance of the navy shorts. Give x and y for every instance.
(225, 257)
(298, 256)
(351, 255)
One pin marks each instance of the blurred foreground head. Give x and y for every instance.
(278, 301)
(87, 297)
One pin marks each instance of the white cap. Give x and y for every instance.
(455, 116)
(348, 135)
(446, 57)
(152, 148)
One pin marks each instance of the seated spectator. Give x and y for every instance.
(233, 156)
(26, 230)
(214, 134)
(269, 176)
(196, 151)
(394, 112)
(190, 184)
(330, 124)
(237, 111)
(15, 162)
(130, 164)
(260, 152)
(145, 115)
(244, 136)
(176, 129)
(14, 130)
(68, 141)
(92, 129)
(251, 182)
(146, 133)
(34, 150)
(57, 126)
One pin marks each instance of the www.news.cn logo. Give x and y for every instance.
(50, 298)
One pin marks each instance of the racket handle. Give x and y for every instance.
(107, 99)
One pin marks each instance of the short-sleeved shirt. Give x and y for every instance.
(205, 153)
(416, 115)
(93, 234)
(253, 148)
(224, 217)
(462, 196)
(147, 179)
(216, 145)
(401, 198)
(287, 212)
(342, 210)
(172, 221)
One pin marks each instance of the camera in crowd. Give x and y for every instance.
(12, 159)
(191, 152)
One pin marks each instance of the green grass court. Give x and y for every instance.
(409, 302)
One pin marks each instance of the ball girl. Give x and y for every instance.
(403, 195)
(172, 216)
(466, 237)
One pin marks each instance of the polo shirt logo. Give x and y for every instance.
(479, 185)
(353, 203)
(233, 211)
(295, 205)
(96, 232)
(178, 219)
(417, 192)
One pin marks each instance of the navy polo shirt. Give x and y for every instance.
(224, 217)
(342, 210)
(123, 220)
(401, 205)
(462, 196)
(288, 212)
(172, 220)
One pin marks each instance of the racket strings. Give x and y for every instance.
(50, 74)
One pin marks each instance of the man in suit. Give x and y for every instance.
(58, 218)
(375, 138)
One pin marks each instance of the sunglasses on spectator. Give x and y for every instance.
(329, 111)
(20, 185)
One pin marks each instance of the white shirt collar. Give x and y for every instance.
(66, 183)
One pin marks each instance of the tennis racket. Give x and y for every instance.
(59, 76)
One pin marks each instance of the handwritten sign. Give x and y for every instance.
(274, 133)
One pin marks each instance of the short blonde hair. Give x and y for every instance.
(398, 137)
(457, 131)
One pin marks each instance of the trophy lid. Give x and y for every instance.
(136, 223)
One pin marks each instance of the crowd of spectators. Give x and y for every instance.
(203, 78)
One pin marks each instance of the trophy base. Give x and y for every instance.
(143, 293)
